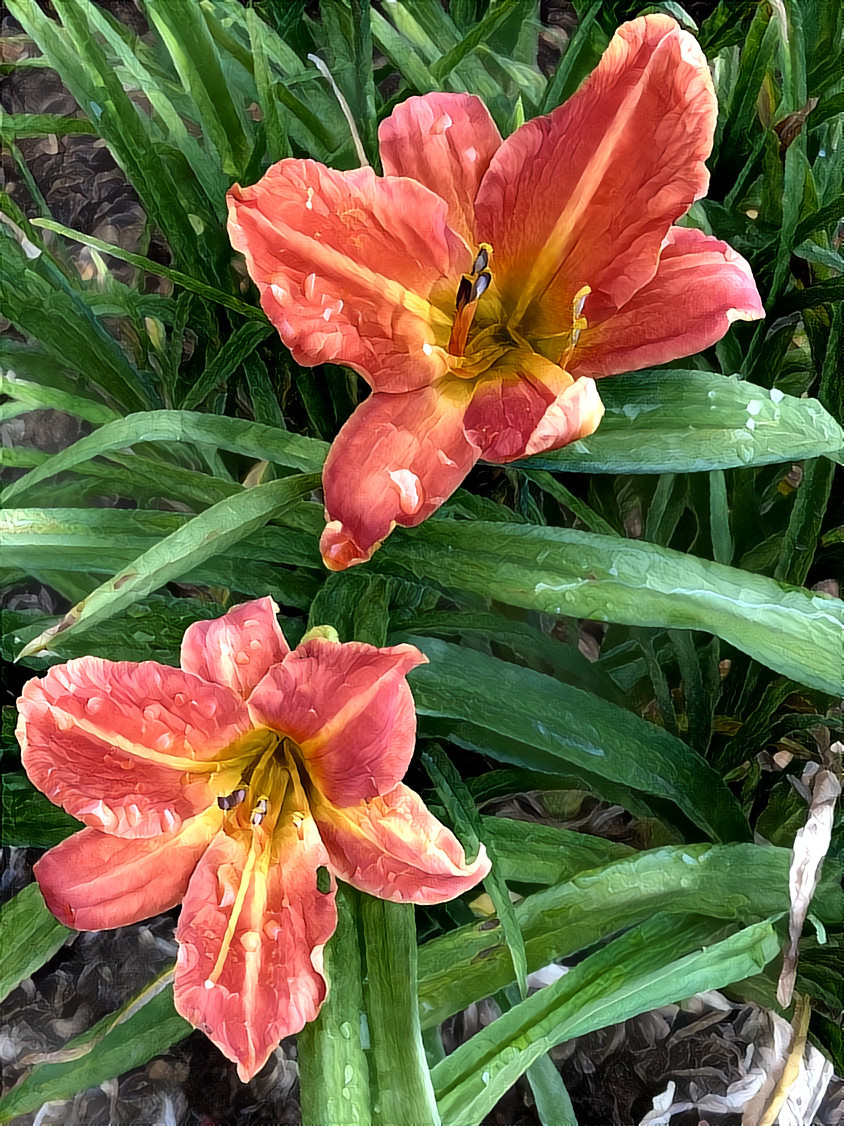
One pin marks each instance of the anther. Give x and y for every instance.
(480, 285)
(259, 811)
(482, 260)
(229, 801)
(464, 293)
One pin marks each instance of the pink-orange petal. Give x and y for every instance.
(122, 746)
(349, 710)
(238, 648)
(528, 404)
(395, 461)
(270, 982)
(95, 881)
(701, 286)
(585, 196)
(394, 848)
(445, 141)
(345, 263)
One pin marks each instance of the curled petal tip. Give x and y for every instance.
(339, 551)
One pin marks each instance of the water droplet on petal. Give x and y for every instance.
(241, 657)
(411, 494)
(250, 940)
(180, 699)
(94, 704)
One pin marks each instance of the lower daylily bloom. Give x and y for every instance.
(480, 287)
(240, 785)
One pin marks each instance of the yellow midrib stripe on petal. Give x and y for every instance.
(334, 260)
(136, 750)
(550, 257)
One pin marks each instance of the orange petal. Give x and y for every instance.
(528, 404)
(700, 288)
(238, 648)
(394, 462)
(349, 710)
(123, 746)
(269, 982)
(445, 141)
(393, 847)
(586, 195)
(345, 263)
(94, 881)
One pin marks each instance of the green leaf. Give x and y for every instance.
(41, 303)
(531, 853)
(610, 578)
(91, 78)
(15, 126)
(333, 1069)
(578, 59)
(242, 343)
(32, 935)
(237, 435)
(185, 34)
(740, 882)
(685, 421)
(193, 285)
(461, 809)
(659, 962)
(29, 818)
(563, 725)
(35, 396)
(212, 532)
(405, 1093)
(144, 1027)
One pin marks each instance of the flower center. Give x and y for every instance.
(270, 793)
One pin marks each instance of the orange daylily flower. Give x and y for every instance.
(240, 785)
(481, 287)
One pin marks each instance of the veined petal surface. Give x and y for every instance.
(268, 979)
(396, 460)
(237, 649)
(701, 286)
(349, 710)
(345, 263)
(95, 881)
(122, 746)
(529, 404)
(585, 195)
(445, 141)
(393, 847)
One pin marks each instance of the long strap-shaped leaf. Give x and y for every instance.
(567, 725)
(333, 1069)
(657, 963)
(681, 421)
(740, 882)
(237, 435)
(613, 579)
(211, 532)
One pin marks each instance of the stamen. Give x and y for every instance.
(259, 811)
(229, 801)
(464, 293)
(471, 287)
(237, 907)
(482, 260)
(481, 284)
(578, 324)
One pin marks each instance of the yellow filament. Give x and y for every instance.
(260, 834)
(213, 977)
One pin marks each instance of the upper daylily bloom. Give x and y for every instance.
(240, 785)
(481, 287)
